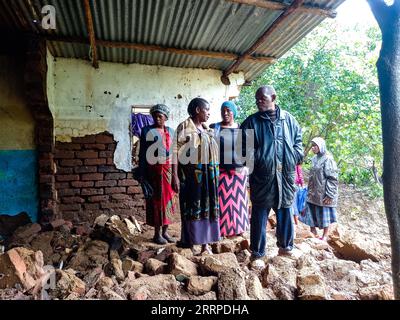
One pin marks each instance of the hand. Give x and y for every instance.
(327, 201)
(175, 183)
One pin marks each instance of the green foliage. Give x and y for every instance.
(330, 85)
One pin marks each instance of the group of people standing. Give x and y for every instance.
(202, 167)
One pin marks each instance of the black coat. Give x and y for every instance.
(277, 150)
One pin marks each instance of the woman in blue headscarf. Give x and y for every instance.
(232, 188)
(322, 190)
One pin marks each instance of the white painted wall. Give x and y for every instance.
(86, 101)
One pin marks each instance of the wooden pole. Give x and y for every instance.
(91, 34)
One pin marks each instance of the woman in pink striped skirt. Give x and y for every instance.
(232, 189)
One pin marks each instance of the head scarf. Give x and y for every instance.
(320, 142)
(231, 106)
(161, 108)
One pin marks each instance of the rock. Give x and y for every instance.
(91, 255)
(163, 254)
(185, 252)
(8, 224)
(280, 276)
(212, 265)
(232, 285)
(225, 245)
(57, 223)
(101, 220)
(243, 257)
(317, 244)
(200, 285)
(272, 220)
(179, 265)
(109, 294)
(212, 295)
(143, 256)
(351, 245)
(93, 277)
(68, 283)
(310, 285)
(120, 229)
(118, 271)
(154, 267)
(159, 287)
(83, 230)
(20, 266)
(42, 242)
(128, 264)
(24, 235)
(377, 293)
(105, 282)
(254, 287)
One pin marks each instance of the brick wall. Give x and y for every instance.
(88, 183)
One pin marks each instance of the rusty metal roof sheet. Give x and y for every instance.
(212, 25)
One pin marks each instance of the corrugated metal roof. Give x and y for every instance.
(212, 25)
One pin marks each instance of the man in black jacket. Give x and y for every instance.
(277, 150)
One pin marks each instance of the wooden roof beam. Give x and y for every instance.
(288, 11)
(142, 47)
(272, 5)
(91, 34)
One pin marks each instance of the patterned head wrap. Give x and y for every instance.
(231, 106)
(161, 108)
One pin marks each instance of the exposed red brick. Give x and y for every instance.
(68, 146)
(86, 169)
(120, 196)
(65, 170)
(110, 161)
(62, 154)
(134, 190)
(98, 198)
(82, 140)
(115, 190)
(70, 200)
(70, 215)
(87, 154)
(70, 207)
(107, 183)
(115, 176)
(129, 175)
(82, 184)
(62, 185)
(46, 178)
(112, 147)
(71, 163)
(69, 192)
(127, 183)
(117, 205)
(92, 176)
(94, 146)
(106, 154)
(69, 177)
(95, 162)
(107, 169)
(92, 192)
(91, 206)
(102, 138)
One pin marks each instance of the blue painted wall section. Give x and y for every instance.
(19, 183)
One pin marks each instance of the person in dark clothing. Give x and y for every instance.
(277, 150)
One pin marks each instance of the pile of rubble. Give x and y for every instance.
(113, 259)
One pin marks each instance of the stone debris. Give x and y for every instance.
(114, 259)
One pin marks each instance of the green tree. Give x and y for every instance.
(330, 86)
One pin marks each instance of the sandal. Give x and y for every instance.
(167, 237)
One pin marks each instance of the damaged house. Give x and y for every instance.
(73, 72)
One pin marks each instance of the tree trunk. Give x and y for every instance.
(389, 86)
